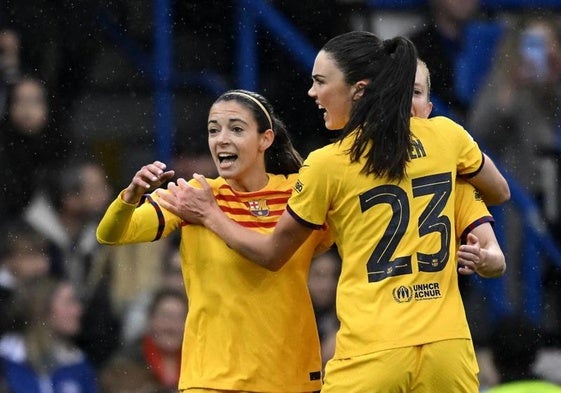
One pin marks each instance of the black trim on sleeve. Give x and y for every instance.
(142, 200)
(475, 224)
(301, 220)
(161, 220)
(470, 175)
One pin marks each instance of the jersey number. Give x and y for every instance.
(380, 265)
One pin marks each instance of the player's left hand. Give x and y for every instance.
(470, 256)
(192, 204)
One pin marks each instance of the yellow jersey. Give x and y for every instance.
(247, 328)
(398, 285)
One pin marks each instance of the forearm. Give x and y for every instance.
(115, 222)
(258, 247)
(493, 263)
(492, 260)
(491, 184)
(125, 223)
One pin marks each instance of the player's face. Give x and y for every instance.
(236, 146)
(421, 106)
(330, 91)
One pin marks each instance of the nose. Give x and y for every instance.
(222, 137)
(311, 91)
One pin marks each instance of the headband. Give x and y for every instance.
(259, 104)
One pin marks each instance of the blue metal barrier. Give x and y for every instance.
(161, 79)
(251, 14)
(158, 67)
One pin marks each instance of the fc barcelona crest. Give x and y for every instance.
(259, 208)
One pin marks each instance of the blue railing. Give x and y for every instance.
(158, 67)
(254, 14)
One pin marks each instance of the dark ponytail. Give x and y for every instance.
(381, 116)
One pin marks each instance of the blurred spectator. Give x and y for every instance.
(66, 211)
(517, 112)
(45, 27)
(22, 258)
(28, 144)
(124, 375)
(135, 316)
(159, 348)
(514, 344)
(9, 64)
(516, 118)
(439, 42)
(42, 357)
(322, 283)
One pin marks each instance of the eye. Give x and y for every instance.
(213, 130)
(317, 81)
(237, 129)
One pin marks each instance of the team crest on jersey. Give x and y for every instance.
(259, 208)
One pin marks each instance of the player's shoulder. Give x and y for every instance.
(329, 154)
(436, 122)
(281, 182)
(214, 183)
(439, 128)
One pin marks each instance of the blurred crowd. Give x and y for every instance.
(102, 319)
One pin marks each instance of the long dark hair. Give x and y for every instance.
(281, 158)
(381, 116)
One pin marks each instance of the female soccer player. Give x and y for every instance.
(248, 329)
(478, 249)
(386, 190)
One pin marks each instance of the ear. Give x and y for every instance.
(266, 140)
(428, 110)
(358, 89)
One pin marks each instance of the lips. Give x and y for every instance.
(227, 157)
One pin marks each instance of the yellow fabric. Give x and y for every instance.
(447, 366)
(398, 285)
(248, 328)
(470, 210)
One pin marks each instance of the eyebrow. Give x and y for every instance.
(232, 120)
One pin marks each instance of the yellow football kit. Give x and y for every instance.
(398, 286)
(247, 329)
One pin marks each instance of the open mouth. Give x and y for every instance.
(227, 158)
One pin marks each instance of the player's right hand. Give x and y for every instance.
(147, 178)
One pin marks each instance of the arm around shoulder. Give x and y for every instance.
(491, 183)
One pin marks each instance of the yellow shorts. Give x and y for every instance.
(448, 366)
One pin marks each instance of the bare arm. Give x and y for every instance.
(198, 206)
(482, 253)
(491, 184)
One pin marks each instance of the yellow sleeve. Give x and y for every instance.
(469, 210)
(124, 223)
